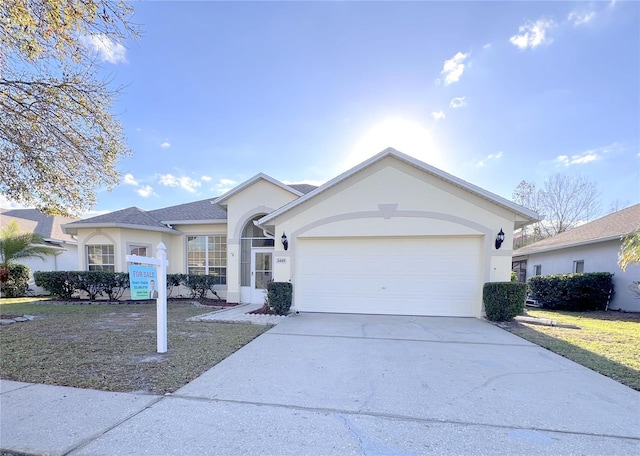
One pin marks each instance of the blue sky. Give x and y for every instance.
(491, 92)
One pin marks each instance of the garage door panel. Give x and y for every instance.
(411, 276)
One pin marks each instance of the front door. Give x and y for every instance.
(261, 274)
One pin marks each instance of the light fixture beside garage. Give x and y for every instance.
(285, 241)
(499, 239)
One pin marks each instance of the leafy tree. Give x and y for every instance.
(630, 250)
(58, 138)
(15, 245)
(563, 201)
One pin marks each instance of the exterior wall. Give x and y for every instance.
(67, 260)
(262, 197)
(600, 257)
(392, 198)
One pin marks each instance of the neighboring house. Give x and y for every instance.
(50, 228)
(592, 247)
(391, 236)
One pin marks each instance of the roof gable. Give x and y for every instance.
(222, 200)
(527, 216)
(609, 227)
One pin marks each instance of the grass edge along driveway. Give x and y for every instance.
(606, 342)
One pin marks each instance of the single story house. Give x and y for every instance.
(393, 235)
(50, 228)
(592, 247)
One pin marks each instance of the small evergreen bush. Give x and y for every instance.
(279, 297)
(503, 300)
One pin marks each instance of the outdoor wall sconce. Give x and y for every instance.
(499, 239)
(285, 241)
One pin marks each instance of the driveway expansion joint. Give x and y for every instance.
(395, 417)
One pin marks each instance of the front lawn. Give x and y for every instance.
(607, 342)
(112, 347)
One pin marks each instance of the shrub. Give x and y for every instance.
(14, 280)
(58, 283)
(200, 285)
(115, 284)
(574, 292)
(503, 300)
(174, 280)
(279, 296)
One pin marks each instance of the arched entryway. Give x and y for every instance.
(256, 262)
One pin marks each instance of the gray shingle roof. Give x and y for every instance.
(198, 210)
(606, 228)
(34, 221)
(128, 216)
(303, 188)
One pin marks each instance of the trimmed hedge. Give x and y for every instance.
(503, 300)
(574, 292)
(279, 297)
(63, 284)
(14, 280)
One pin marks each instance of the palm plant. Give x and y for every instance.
(15, 245)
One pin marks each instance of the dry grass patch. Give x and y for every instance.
(607, 342)
(113, 347)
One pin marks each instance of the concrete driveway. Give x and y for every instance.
(360, 384)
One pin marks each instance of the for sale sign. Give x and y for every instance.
(143, 281)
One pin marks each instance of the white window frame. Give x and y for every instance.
(575, 266)
(103, 266)
(210, 269)
(137, 245)
(537, 269)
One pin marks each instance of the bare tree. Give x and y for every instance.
(568, 201)
(59, 141)
(563, 201)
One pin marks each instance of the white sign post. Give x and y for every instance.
(161, 302)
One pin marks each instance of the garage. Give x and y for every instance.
(429, 275)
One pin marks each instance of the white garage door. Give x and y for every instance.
(437, 276)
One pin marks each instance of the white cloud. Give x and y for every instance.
(482, 162)
(486, 46)
(145, 191)
(206, 178)
(581, 17)
(107, 50)
(165, 145)
(224, 185)
(458, 102)
(453, 68)
(438, 115)
(577, 159)
(533, 34)
(129, 180)
(183, 182)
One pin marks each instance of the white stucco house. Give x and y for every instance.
(50, 228)
(393, 235)
(592, 247)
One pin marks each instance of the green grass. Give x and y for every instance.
(606, 342)
(112, 347)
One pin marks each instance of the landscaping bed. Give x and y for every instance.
(112, 347)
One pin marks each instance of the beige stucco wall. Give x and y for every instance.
(121, 238)
(261, 197)
(392, 198)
